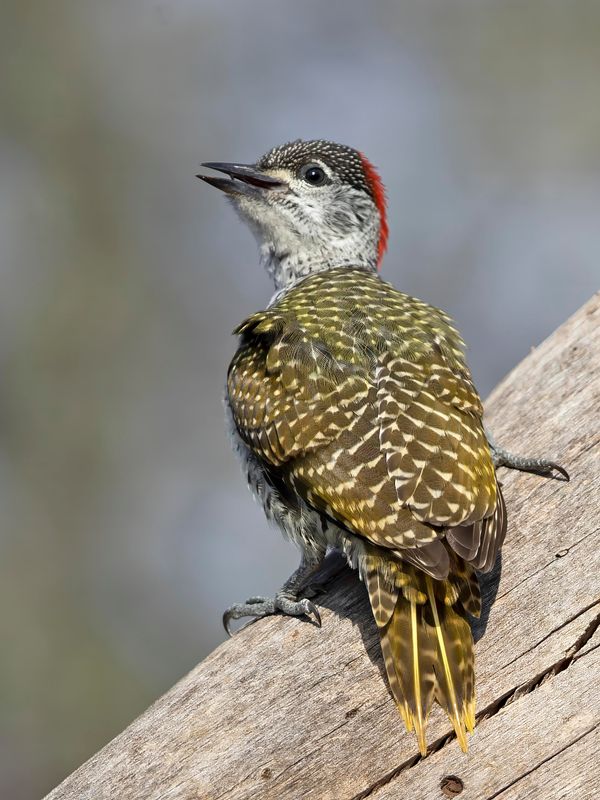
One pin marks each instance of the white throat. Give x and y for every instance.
(286, 269)
(298, 238)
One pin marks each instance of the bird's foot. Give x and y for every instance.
(538, 466)
(266, 606)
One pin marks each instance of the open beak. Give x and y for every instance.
(244, 179)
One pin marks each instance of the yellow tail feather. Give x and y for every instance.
(419, 722)
(426, 643)
(455, 717)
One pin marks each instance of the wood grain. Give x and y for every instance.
(286, 711)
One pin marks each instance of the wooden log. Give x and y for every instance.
(285, 711)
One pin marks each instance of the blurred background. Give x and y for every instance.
(125, 525)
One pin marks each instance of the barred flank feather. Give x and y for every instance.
(426, 642)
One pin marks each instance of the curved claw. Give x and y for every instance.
(561, 470)
(255, 607)
(312, 609)
(227, 617)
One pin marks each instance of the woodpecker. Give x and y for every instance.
(355, 416)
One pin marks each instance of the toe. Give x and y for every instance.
(227, 617)
(310, 608)
(298, 608)
(254, 607)
(561, 470)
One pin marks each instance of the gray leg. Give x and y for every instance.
(286, 601)
(540, 466)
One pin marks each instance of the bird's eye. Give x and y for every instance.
(313, 174)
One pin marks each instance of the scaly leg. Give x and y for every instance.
(539, 466)
(286, 601)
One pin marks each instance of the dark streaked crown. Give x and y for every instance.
(346, 162)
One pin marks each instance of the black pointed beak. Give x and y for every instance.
(244, 179)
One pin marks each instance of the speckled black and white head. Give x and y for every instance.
(313, 205)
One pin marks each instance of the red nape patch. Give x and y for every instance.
(378, 190)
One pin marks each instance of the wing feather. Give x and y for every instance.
(361, 397)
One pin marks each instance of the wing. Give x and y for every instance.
(288, 394)
(382, 432)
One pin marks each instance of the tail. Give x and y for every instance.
(426, 640)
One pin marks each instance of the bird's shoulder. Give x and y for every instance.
(353, 316)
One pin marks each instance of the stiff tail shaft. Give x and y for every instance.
(426, 641)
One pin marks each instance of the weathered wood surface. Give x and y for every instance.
(286, 711)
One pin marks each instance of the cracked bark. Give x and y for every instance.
(287, 711)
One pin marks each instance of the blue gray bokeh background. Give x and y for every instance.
(125, 527)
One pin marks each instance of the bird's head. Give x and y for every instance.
(313, 205)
